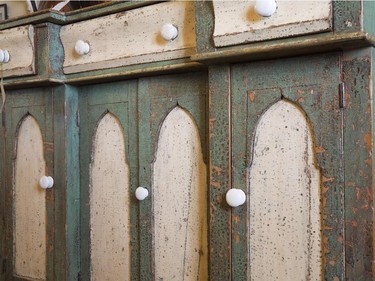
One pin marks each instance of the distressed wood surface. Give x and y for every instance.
(285, 240)
(122, 214)
(157, 97)
(219, 135)
(236, 22)
(19, 41)
(130, 37)
(311, 83)
(67, 203)
(37, 103)
(358, 74)
(109, 203)
(180, 201)
(29, 203)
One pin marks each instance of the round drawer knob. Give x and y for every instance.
(82, 47)
(169, 32)
(141, 193)
(235, 197)
(46, 182)
(265, 8)
(4, 56)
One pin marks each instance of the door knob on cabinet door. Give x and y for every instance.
(82, 47)
(265, 8)
(4, 56)
(235, 197)
(169, 32)
(141, 193)
(46, 182)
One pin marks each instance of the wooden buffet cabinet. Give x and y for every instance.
(145, 114)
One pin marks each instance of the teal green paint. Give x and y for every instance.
(368, 16)
(347, 16)
(358, 144)
(219, 172)
(72, 176)
(204, 18)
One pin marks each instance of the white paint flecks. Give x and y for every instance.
(109, 203)
(237, 22)
(180, 201)
(29, 203)
(284, 184)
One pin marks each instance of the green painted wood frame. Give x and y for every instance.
(311, 83)
(358, 74)
(119, 99)
(157, 97)
(38, 103)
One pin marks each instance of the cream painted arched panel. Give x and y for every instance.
(109, 203)
(29, 203)
(180, 201)
(284, 184)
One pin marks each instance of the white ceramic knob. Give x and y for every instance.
(169, 32)
(82, 47)
(141, 193)
(235, 197)
(265, 8)
(4, 56)
(46, 182)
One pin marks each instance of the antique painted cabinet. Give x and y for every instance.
(207, 140)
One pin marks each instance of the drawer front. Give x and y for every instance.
(19, 42)
(237, 22)
(130, 37)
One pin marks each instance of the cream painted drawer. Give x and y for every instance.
(19, 42)
(130, 37)
(237, 22)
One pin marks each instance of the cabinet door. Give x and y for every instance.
(287, 147)
(109, 176)
(173, 166)
(29, 209)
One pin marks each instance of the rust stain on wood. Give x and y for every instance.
(252, 96)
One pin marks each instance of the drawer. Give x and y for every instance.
(19, 42)
(237, 22)
(130, 37)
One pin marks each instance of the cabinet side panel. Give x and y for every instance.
(358, 144)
